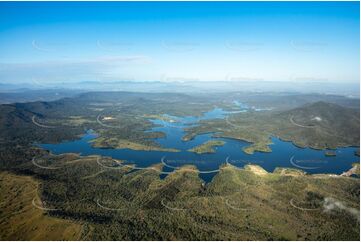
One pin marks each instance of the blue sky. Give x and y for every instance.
(208, 41)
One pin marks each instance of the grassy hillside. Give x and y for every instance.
(21, 220)
(239, 204)
(96, 198)
(322, 125)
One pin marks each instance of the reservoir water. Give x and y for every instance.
(284, 154)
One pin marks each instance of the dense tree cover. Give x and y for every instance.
(126, 204)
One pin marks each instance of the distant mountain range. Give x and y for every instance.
(28, 95)
(345, 89)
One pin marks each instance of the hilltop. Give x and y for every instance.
(321, 125)
(318, 125)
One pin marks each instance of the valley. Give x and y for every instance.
(180, 121)
(137, 166)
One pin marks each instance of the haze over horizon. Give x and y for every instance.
(70, 42)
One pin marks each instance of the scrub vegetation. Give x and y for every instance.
(339, 127)
(239, 204)
(207, 147)
(97, 198)
(21, 220)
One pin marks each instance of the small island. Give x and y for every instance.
(115, 143)
(207, 147)
(330, 153)
(259, 147)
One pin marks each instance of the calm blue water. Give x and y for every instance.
(284, 154)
